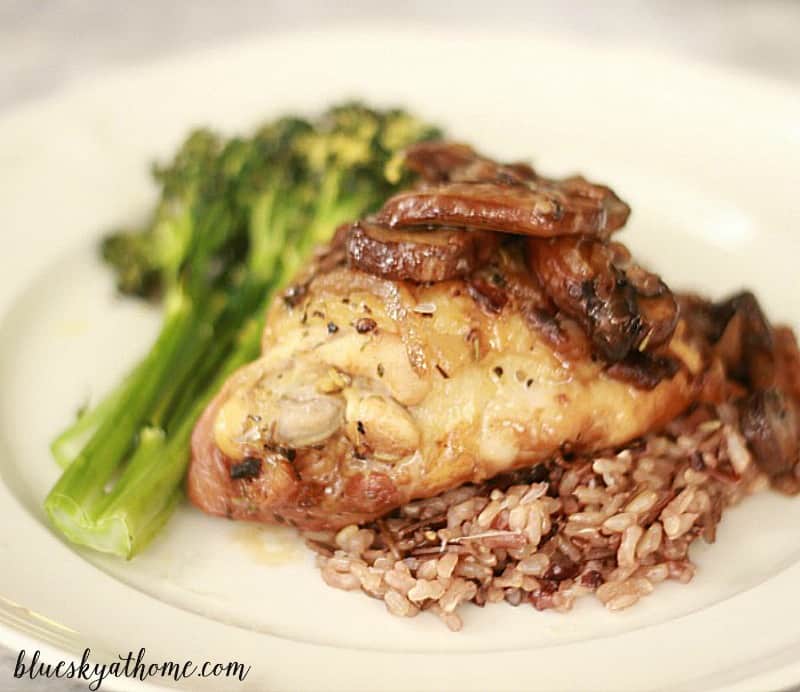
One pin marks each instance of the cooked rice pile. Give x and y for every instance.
(613, 526)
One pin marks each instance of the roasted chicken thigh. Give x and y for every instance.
(372, 392)
(437, 344)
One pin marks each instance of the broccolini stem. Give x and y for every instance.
(199, 336)
(209, 362)
(144, 497)
(75, 497)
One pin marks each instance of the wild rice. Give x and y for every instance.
(614, 525)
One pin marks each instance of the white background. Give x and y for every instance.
(47, 44)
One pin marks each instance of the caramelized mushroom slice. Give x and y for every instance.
(745, 342)
(787, 359)
(622, 308)
(756, 354)
(418, 255)
(540, 208)
(466, 189)
(769, 423)
(439, 162)
(766, 362)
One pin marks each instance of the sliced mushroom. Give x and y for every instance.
(745, 342)
(770, 425)
(463, 188)
(751, 350)
(621, 307)
(787, 354)
(439, 162)
(418, 255)
(766, 362)
(538, 208)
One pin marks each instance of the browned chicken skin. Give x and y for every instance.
(426, 348)
(372, 392)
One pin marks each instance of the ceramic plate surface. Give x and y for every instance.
(709, 162)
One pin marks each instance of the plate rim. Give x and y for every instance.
(75, 91)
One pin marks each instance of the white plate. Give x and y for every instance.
(708, 160)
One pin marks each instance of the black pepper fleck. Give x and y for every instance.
(380, 370)
(248, 468)
(361, 429)
(287, 452)
(442, 371)
(332, 328)
(365, 324)
(498, 371)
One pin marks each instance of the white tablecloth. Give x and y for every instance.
(46, 44)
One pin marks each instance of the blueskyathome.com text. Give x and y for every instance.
(132, 666)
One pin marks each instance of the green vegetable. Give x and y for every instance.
(235, 221)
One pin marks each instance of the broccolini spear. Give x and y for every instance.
(158, 260)
(264, 203)
(196, 221)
